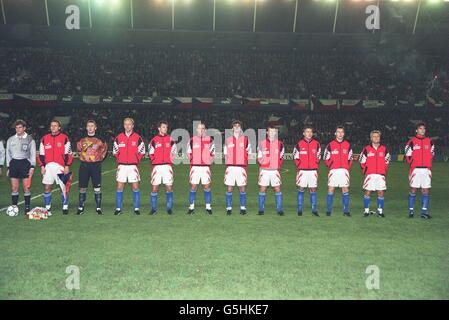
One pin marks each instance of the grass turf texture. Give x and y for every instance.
(229, 257)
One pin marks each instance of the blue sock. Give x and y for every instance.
(278, 197)
(169, 200)
(136, 199)
(118, 199)
(366, 201)
(64, 200)
(380, 202)
(192, 196)
(330, 201)
(411, 201)
(243, 199)
(228, 200)
(300, 200)
(345, 202)
(82, 199)
(207, 196)
(98, 198)
(425, 203)
(47, 199)
(313, 201)
(261, 201)
(153, 200)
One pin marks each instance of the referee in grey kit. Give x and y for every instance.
(20, 161)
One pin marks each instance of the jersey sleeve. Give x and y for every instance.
(387, 158)
(151, 150)
(350, 156)
(68, 157)
(259, 154)
(2, 153)
(362, 160)
(140, 149)
(115, 149)
(104, 149)
(248, 146)
(41, 158)
(432, 148)
(409, 152)
(174, 150)
(296, 157)
(327, 155)
(318, 152)
(281, 153)
(212, 149)
(190, 150)
(32, 158)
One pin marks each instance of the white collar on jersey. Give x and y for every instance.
(23, 136)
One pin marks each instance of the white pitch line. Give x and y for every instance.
(54, 190)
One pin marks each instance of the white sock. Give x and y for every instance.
(366, 210)
(208, 206)
(65, 207)
(242, 208)
(192, 206)
(229, 208)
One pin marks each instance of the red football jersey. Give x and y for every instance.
(161, 150)
(201, 151)
(419, 152)
(307, 154)
(338, 155)
(128, 149)
(374, 161)
(55, 148)
(270, 154)
(236, 151)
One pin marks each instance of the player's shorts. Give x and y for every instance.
(200, 174)
(19, 169)
(127, 173)
(420, 178)
(338, 178)
(235, 175)
(307, 178)
(52, 170)
(269, 178)
(375, 182)
(162, 173)
(87, 171)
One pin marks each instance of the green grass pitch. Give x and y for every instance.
(229, 257)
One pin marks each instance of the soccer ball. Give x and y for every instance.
(12, 211)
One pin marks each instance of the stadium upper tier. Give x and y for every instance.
(379, 74)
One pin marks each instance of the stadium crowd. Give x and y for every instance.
(396, 125)
(384, 75)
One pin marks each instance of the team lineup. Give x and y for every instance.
(54, 157)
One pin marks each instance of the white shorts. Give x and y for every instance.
(420, 178)
(338, 178)
(375, 182)
(200, 174)
(127, 173)
(162, 173)
(52, 170)
(235, 175)
(307, 178)
(269, 177)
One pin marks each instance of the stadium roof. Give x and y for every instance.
(46, 19)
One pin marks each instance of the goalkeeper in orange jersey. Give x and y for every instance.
(92, 150)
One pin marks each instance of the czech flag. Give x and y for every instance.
(65, 181)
